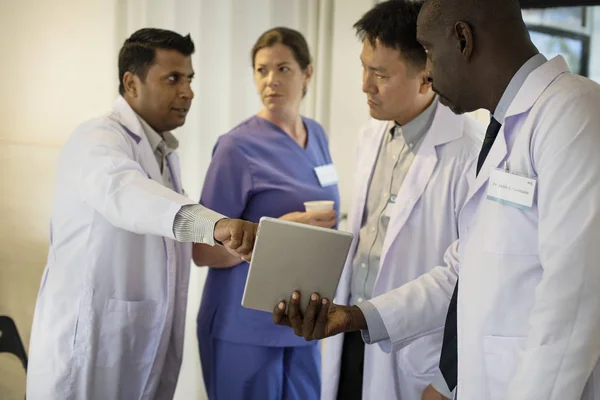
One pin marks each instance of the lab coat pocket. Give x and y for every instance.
(127, 332)
(509, 230)
(501, 358)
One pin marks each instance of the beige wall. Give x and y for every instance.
(58, 70)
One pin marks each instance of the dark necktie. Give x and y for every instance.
(449, 356)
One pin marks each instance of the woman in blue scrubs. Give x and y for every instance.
(263, 167)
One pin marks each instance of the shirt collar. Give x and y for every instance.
(415, 129)
(515, 85)
(155, 139)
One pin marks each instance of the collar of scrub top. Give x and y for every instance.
(517, 81)
(415, 129)
(165, 143)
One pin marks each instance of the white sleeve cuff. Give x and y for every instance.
(376, 330)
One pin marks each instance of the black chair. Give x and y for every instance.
(10, 341)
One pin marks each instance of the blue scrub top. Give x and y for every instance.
(258, 170)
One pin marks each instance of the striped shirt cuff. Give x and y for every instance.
(376, 331)
(196, 223)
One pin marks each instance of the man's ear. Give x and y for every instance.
(463, 34)
(131, 84)
(425, 81)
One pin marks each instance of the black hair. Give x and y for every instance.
(488, 13)
(394, 24)
(138, 52)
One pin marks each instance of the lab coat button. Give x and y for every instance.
(360, 299)
(363, 265)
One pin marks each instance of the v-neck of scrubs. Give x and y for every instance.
(277, 127)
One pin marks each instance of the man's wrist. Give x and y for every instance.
(215, 228)
(357, 319)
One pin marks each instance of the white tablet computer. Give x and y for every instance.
(289, 256)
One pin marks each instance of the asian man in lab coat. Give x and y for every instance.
(523, 322)
(409, 189)
(109, 318)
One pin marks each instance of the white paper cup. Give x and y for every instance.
(319, 205)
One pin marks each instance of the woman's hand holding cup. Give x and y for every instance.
(318, 213)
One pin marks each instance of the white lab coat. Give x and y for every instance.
(529, 292)
(116, 330)
(423, 223)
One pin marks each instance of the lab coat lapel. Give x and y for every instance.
(369, 142)
(537, 82)
(446, 127)
(366, 166)
(496, 155)
(127, 118)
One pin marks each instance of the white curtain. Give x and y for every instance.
(224, 32)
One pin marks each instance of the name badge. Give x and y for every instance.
(511, 189)
(327, 175)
